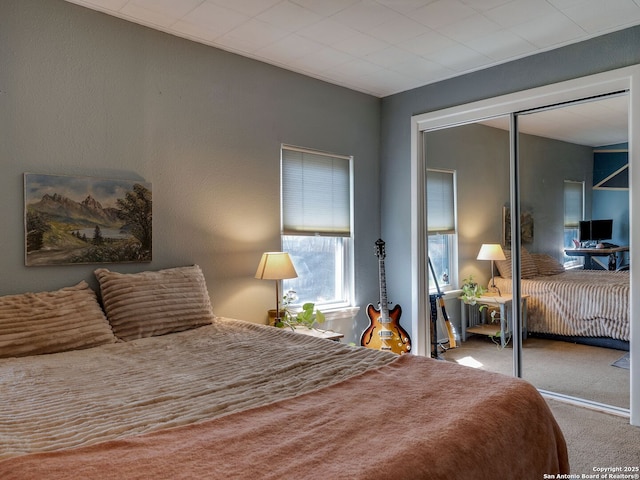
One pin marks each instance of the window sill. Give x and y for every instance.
(346, 313)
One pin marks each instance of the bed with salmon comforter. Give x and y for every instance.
(178, 393)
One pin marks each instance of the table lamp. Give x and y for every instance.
(491, 251)
(276, 266)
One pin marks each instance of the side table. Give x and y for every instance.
(473, 321)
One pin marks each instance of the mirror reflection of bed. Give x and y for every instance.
(578, 325)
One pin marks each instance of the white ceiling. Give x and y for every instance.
(380, 47)
(594, 123)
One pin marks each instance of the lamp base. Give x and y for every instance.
(493, 289)
(271, 318)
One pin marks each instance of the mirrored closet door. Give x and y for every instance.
(568, 165)
(574, 213)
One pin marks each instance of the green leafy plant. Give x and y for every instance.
(471, 291)
(307, 317)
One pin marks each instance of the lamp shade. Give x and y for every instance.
(275, 266)
(491, 251)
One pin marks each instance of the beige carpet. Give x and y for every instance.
(577, 370)
(597, 439)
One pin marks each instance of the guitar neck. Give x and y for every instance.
(384, 306)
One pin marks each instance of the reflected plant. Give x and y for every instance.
(471, 291)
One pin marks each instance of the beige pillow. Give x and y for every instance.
(527, 265)
(147, 304)
(547, 265)
(50, 322)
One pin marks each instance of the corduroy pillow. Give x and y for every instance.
(527, 265)
(547, 265)
(147, 304)
(51, 322)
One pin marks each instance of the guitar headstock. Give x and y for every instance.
(380, 248)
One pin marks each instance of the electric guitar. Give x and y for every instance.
(384, 331)
(451, 333)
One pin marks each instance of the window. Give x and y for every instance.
(441, 225)
(316, 225)
(573, 213)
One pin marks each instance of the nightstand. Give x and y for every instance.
(473, 318)
(314, 332)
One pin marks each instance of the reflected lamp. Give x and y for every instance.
(493, 252)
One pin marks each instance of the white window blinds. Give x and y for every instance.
(573, 203)
(316, 193)
(440, 202)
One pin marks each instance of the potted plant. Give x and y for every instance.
(471, 291)
(306, 317)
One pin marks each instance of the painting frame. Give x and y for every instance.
(526, 227)
(76, 220)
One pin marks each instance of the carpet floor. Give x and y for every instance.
(581, 371)
(597, 440)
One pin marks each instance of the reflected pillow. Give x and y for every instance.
(51, 322)
(527, 265)
(147, 304)
(547, 265)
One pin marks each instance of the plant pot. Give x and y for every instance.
(272, 316)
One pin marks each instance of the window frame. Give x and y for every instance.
(450, 231)
(344, 254)
(571, 225)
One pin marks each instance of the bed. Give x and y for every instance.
(176, 392)
(570, 303)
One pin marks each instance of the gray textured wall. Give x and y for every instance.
(83, 93)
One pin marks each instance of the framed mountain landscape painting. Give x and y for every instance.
(79, 220)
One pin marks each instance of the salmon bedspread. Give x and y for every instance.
(368, 415)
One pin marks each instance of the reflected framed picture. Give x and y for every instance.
(79, 220)
(526, 227)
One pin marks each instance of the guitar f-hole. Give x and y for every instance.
(369, 339)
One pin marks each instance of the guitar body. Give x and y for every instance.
(385, 335)
(384, 331)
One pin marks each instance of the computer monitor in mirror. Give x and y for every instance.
(595, 231)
